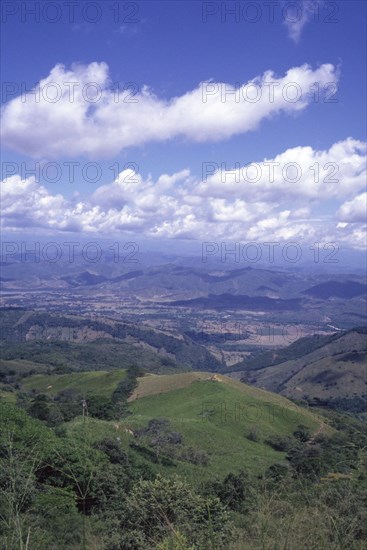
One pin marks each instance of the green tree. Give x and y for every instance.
(40, 407)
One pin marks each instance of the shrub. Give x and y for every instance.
(302, 433)
(156, 509)
(195, 456)
(281, 443)
(254, 434)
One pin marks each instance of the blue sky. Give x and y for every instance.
(171, 49)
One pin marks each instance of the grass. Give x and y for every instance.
(153, 384)
(93, 382)
(213, 413)
(215, 416)
(7, 396)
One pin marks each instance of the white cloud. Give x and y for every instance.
(181, 206)
(300, 174)
(26, 203)
(76, 112)
(354, 210)
(298, 14)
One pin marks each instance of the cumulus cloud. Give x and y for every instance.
(181, 205)
(80, 112)
(300, 173)
(354, 210)
(27, 203)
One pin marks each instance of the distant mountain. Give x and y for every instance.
(165, 278)
(239, 301)
(85, 278)
(291, 296)
(347, 290)
(127, 276)
(207, 277)
(319, 369)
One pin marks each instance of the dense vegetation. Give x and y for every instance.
(58, 339)
(77, 482)
(66, 356)
(99, 453)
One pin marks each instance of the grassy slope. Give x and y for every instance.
(93, 382)
(212, 415)
(152, 384)
(183, 398)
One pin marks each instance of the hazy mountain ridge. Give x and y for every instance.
(202, 279)
(347, 290)
(238, 301)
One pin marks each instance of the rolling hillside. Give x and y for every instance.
(216, 414)
(211, 415)
(81, 341)
(318, 369)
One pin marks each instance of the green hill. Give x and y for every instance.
(222, 424)
(216, 415)
(208, 437)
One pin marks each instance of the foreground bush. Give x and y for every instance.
(156, 510)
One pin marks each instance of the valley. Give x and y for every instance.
(196, 392)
